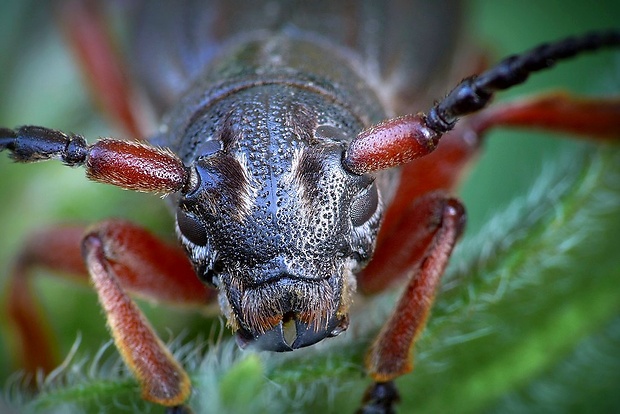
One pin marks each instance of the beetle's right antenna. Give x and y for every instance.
(400, 140)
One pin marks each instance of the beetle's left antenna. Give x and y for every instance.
(400, 140)
(475, 93)
(131, 165)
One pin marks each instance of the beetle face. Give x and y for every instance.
(279, 230)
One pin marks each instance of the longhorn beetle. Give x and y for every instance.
(321, 199)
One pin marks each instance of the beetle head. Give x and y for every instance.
(274, 221)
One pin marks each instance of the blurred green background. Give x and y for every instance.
(39, 85)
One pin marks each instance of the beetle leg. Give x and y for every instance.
(148, 267)
(92, 44)
(161, 377)
(120, 257)
(390, 355)
(405, 245)
(57, 249)
(594, 119)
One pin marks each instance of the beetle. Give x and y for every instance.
(188, 224)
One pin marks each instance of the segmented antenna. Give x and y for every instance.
(475, 92)
(400, 140)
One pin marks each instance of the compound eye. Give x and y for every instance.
(364, 206)
(192, 228)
